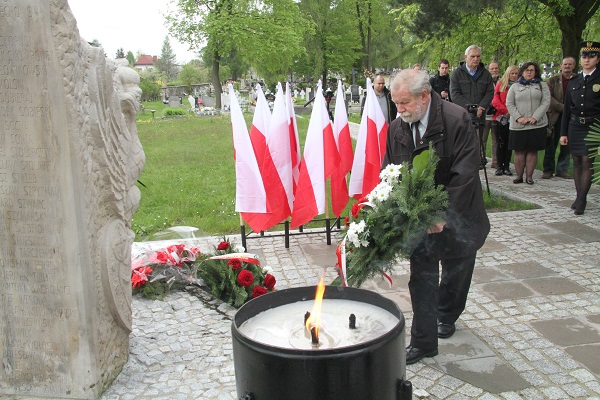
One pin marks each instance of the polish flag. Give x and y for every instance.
(250, 193)
(370, 147)
(279, 145)
(341, 133)
(278, 207)
(319, 162)
(294, 140)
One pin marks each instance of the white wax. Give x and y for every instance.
(283, 326)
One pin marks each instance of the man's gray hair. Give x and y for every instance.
(415, 80)
(472, 47)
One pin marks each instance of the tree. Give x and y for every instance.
(264, 33)
(120, 53)
(374, 26)
(332, 42)
(190, 73)
(150, 88)
(131, 58)
(95, 43)
(167, 64)
(572, 17)
(441, 18)
(505, 36)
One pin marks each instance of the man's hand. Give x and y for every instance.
(564, 140)
(444, 94)
(480, 111)
(436, 228)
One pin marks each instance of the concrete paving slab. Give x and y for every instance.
(492, 245)
(594, 319)
(463, 345)
(567, 331)
(531, 269)
(553, 285)
(577, 230)
(489, 374)
(534, 230)
(588, 355)
(507, 290)
(485, 275)
(557, 239)
(402, 299)
(320, 254)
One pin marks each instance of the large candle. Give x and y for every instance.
(283, 326)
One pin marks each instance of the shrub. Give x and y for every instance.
(174, 111)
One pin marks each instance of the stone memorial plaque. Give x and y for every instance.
(354, 89)
(208, 101)
(69, 160)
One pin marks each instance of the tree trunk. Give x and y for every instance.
(571, 35)
(216, 81)
(363, 39)
(572, 26)
(369, 37)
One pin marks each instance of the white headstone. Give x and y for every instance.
(69, 161)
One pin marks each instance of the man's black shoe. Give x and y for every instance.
(445, 330)
(414, 354)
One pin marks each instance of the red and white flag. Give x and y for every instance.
(319, 161)
(294, 140)
(279, 146)
(278, 207)
(370, 147)
(250, 193)
(341, 133)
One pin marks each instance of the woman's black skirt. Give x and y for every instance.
(577, 135)
(528, 140)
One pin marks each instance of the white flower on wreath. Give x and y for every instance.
(267, 269)
(380, 193)
(390, 173)
(355, 231)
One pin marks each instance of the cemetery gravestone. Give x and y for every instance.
(69, 161)
(174, 101)
(354, 89)
(208, 101)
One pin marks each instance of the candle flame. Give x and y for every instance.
(314, 321)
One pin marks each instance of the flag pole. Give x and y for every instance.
(243, 232)
(327, 222)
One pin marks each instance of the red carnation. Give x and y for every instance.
(223, 246)
(347, 221)
(139, 276)
(270, 282)
(258, 291)
(235, 264)
(245, 278)
(356, 207)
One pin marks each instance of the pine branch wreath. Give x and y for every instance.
(394, 218)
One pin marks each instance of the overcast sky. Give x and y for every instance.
(134, 25)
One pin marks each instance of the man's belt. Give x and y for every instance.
(584, 120)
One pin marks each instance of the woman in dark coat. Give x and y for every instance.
(582, 109)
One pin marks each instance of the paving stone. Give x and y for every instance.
(489, 373)
(567, 332)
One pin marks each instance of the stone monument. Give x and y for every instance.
(69, 162)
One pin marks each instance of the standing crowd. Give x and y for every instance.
(454, 114)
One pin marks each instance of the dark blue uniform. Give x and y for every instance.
(582, 109)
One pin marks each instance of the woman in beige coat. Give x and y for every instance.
(527, 102)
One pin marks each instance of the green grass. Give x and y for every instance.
(496, 203)
(189, 175)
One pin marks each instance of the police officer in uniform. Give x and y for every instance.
(582, 109)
